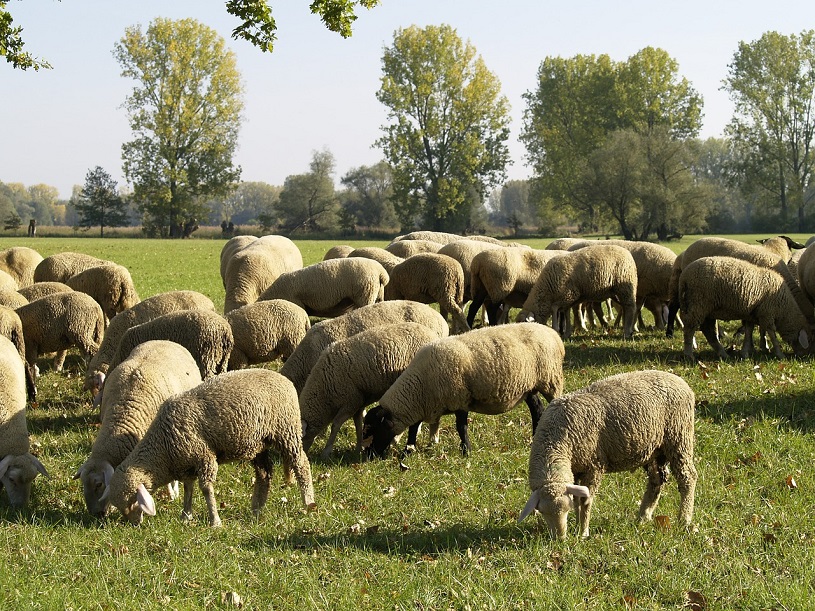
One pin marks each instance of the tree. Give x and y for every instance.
(368, 197)
(185, 115)
(245, 204)
(772, 83)
(11, 44)
(99, 202)
(307, 201)
(446, 141)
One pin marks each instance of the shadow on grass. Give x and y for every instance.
(796, 412)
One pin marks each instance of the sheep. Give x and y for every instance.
(430, 277)
(133, 393)
(266, 330)
(380, 255)
(144, 311)
(239, 415)
(767, 255)
(354, 372)
(488, 370)
(330, 288)
(59, 321)
(232, 246)
(110, 285)
(464, 251)
(440, 237)
(589, 274)
(12, 299)
(566, 243)
(253, 268)
(806, 272)
(502, 278)
(634, 419)
(61, 266)
(338, 251)
(11, 327)
(205, 333)
(724, 288)
(321, 334)
(41, 289)
(7, 282)
(408, 248)
(18, 467)
(20, 262)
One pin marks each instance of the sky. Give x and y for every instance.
(317, 90)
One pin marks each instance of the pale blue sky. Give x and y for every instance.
(317, 90)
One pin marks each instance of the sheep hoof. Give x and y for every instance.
(186, 517)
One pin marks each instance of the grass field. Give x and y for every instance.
(443, 533)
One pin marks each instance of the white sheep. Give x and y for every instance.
(253, 268)
(18, 467)
(152, 373)
(331, 288)
(407, 248)
(7, 282)
(20, 262)
(431, 277)
(232, 246)
(63, 265)
(206, 334)
(724, 288)
(354, 372)
(380, 255)
(144, 311)
(439, 237)
(41, 289)
(110, 285)
(464, 251)
(240, 415)
(488, 370)
(11, 327)
(566, 243)
(12, 299)
(323, 333)
(630, 420)
(587, 275)
(266, 330)
(338, 251)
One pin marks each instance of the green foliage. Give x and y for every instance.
(308, 202)
(11, 44)
(99, 202)
(369, 194)
(13, 221)
(448, 126)
(185, 115)
(245, 204)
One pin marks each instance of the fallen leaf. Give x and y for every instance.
(389, 491)
(629, 601)
(695, 601)
(323, 476)
(769, 538)
(663, 523)
(231, 599)
(355, 529)
(758, 376)
(403, 466)
(790, 481)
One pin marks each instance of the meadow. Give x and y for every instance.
(441, 533)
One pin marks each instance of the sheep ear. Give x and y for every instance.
(5, 463)
(792, 243)
(531, 504)
(105, 494)
(39, 466)
(145, 501)
(108, 473)
(803, 339)
(80, 471)
(580, 491)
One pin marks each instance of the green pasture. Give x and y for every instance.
(441, 534)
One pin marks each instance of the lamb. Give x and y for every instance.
(635, 419)
(767, 255)
(12, 299)
(11, 327)
(323, 333)
(110, 285)
(266, 330)
(502, 278)
(134, 390)
(253, 268)
(589, 274)
(338, 251)
(18, 467)
(144, 311)
(20, 262)
(354, 372)
(408, 248)
(488, 370)
(464, 251)
(724, 288)
(61, 266)
(380, 255)
(41, 289)
(206, 334)
(431, 277)
(240, 415)
(59, 321)
(331, 288)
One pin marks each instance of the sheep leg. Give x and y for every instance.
(475, 304)
(263, 476)
(583, 504)
(59, 360)
(629, 319)
(358, 428)
(186, 511)
(463, 431)
(770, 330)
(656, 478)
(302, 472)
(685, 473)
(413, 433)
(747, 344)
(336, 424)
(206, 477)
(673, 309)
(536, 408)
(708, 329)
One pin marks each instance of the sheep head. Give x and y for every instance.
(377, 432)
(554, 500)
(17, 472)
(95, 477)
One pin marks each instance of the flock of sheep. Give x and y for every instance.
(177, 396)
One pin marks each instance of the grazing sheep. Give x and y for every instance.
(58, 322)
(635, 419)
(240, 415)
(724, 288)
(354, 372)
(339, 251)
(464, 251)
(63, 265)
(232, 246)
(11, 327)
(134, 390)
(7, 282)
(12, 299)
(488, 370)
(567, 243)
(205, 333)
(266, 330)
(41, 289)
(20, 262)
(806, 272)
(590, 274)
(253, 268)
(110, 285)
(502, 278)
(767, 255)
(408, 248)
(430, 277)
(331, 288)
(144, 311)
(439, 237)
(321, 334)
(380, 255)
(18, 467)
